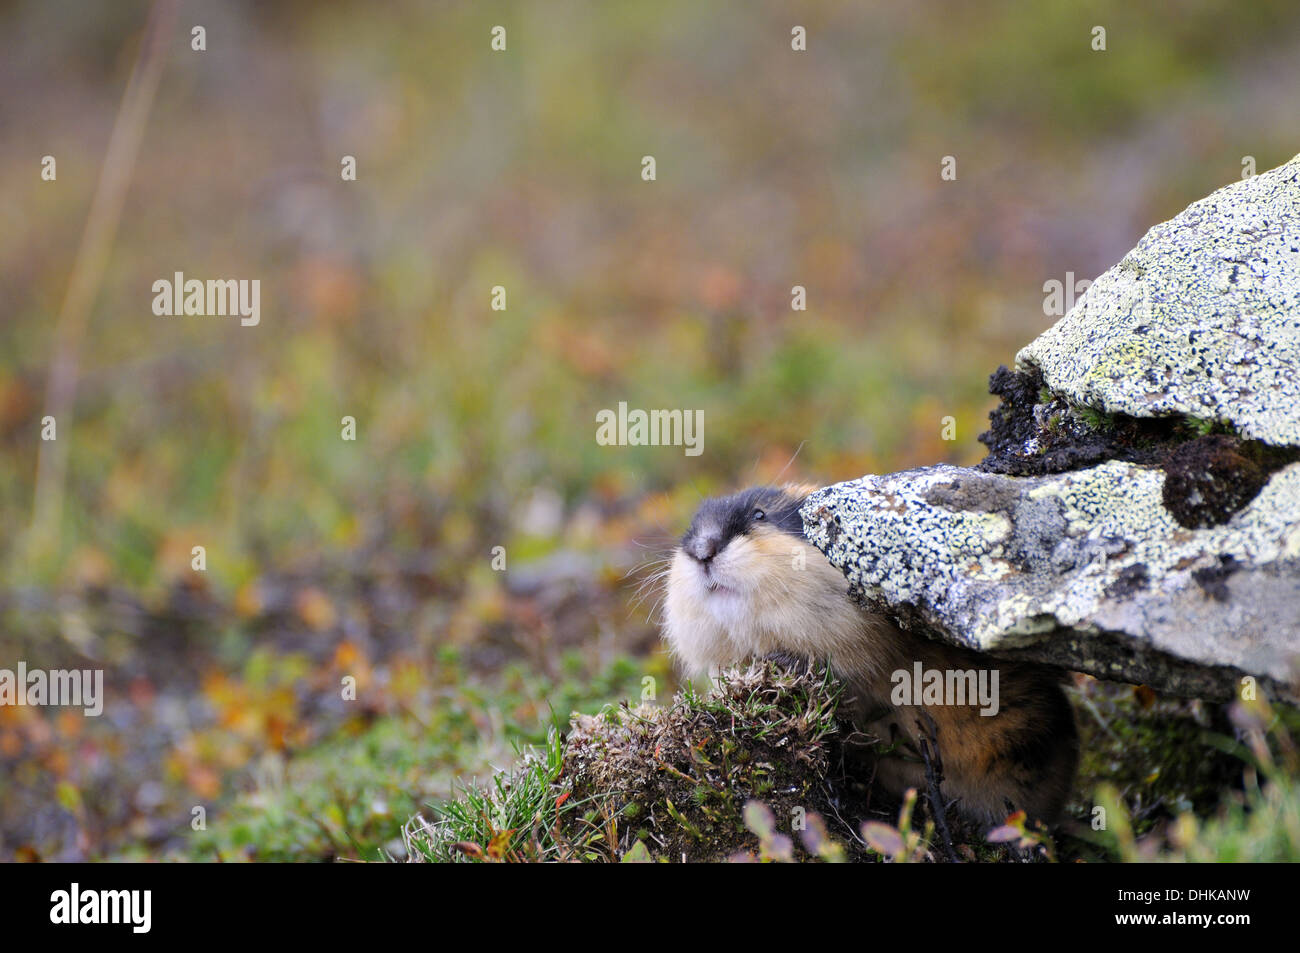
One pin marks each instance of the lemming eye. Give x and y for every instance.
(758, 514)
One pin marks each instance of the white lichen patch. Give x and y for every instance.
(1201, 318)
(1088, 500)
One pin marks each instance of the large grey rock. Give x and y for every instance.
(1201, 318)
(1089, 569)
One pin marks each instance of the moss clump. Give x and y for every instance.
(1209, 479)
(677, 780)
(732, 774)
(1035, 431)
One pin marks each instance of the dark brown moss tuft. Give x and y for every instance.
(677, 779)
(1209, 479)
(1033, 432)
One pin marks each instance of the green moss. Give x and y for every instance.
(1258, 823)
(1161, 754)
(1095, 420)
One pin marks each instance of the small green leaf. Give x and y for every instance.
(637, 854)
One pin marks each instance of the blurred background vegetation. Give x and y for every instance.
(476, 428)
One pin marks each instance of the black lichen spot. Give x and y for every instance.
(1214, 579)
(1130, 580)
(1210, 479)
(830, 521)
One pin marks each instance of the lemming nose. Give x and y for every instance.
(703, 547)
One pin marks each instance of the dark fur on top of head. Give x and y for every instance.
(721, 519)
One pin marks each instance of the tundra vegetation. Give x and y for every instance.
(398, 488)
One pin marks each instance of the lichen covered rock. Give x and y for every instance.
(1088, 570)
(1138, 515)
(1202, 318)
